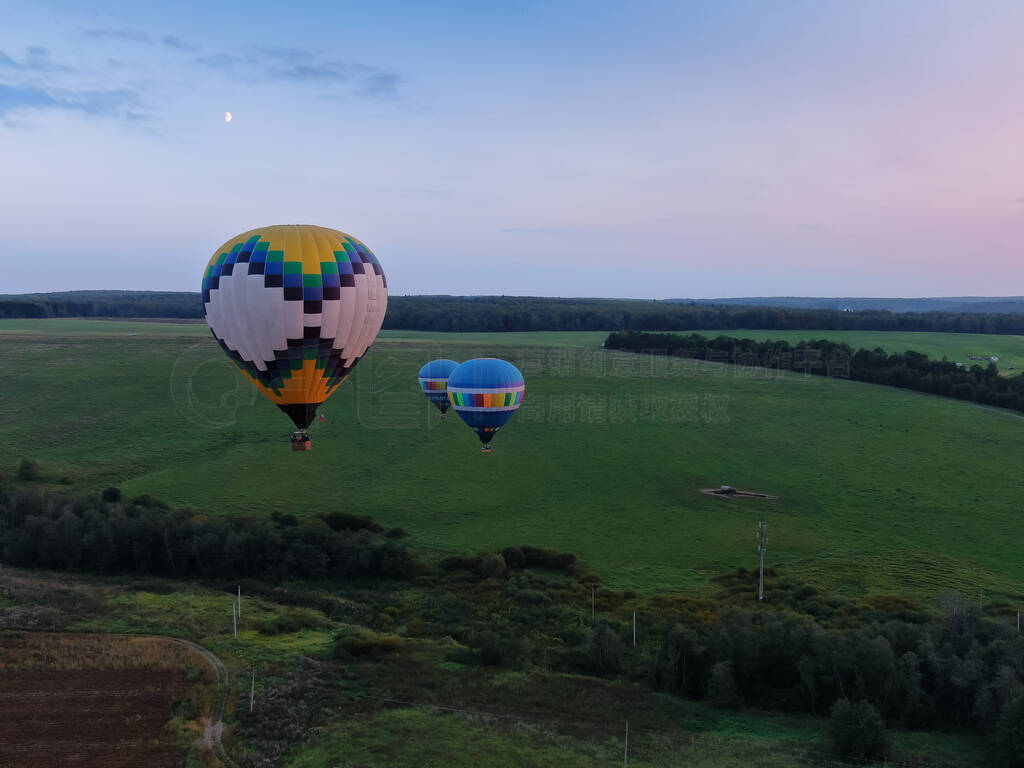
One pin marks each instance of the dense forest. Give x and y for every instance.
(908, 370)
(867, 663)
(524, 313)
(954, 304)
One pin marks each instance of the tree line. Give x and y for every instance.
(524, 313)
(907, 370)
(956, 670)
(142, 536)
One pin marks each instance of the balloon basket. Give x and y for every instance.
(486, 449)
(301, 441)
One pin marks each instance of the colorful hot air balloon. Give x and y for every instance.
(485, 392)
(295, 307)
(434, 381)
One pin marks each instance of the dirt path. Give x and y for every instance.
(213, 732)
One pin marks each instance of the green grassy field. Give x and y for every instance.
(955, 346)
(880, 490)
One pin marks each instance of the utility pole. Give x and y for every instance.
(625, 751)
(762, 544)
(252, 689)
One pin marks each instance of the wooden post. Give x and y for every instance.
(762, 543)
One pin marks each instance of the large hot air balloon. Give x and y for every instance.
(434, 381)
(485, 392)
(295, 307)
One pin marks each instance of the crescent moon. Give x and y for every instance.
(227, 117)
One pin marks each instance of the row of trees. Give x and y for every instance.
(908, 370)
(958, 671)
(520, 313)
(170, 304)
(142, 536)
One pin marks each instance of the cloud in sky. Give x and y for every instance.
(37, 59)
(105, 103)
(37, 82)
(178, 44)
(121, 35)
(303, 66)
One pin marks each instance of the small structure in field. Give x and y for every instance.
(728, 490)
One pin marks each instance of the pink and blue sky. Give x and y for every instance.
(641, 149)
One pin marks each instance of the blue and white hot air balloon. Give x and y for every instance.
(485, 392)
(434, 382)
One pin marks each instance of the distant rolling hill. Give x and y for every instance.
(985, 304)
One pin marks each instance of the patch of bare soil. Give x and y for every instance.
(90, 701)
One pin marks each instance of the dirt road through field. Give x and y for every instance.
(213, 732)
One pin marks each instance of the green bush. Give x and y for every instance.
(145, 500)
(605, 650)
(858, 730)
(531, 596)
(491, 651)
(492, 566)
(460, 563)
(28, 469)
(722, 690)
(112, 495)
(1008, 738)
(291, 621)
(342, 521)
(513, 557)
(283, 520)
(364, 642)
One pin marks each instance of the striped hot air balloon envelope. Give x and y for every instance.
(486, 392)
(434, 382)
(295, 307)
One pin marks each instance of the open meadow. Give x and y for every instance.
(880, 490)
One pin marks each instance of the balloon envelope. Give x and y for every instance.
(434, 381)
(295, 307)
(486, 392)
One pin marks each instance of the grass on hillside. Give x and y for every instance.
(880, 490)
(414, 738)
